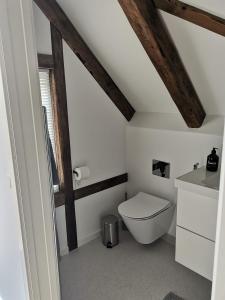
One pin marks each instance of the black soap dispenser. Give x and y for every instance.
(212, 161)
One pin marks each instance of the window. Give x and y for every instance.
(47, 103)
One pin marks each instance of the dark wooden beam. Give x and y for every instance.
(57, 17)
(45, 61)
(63, 136)
(192, 14)
(59, 198)
(92, 189)
(152, 33)
(100, 186)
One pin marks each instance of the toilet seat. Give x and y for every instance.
(143, 206)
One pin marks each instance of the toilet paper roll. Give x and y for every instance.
(82, 173)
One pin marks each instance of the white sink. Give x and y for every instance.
(200, 181)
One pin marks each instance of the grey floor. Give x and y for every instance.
(128, 272)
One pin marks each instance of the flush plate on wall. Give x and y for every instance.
(161, 168)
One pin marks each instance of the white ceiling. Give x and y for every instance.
(106, 30)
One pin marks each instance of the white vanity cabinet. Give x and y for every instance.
(197, 202)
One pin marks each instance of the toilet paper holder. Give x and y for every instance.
(75, 172)
(81, 173)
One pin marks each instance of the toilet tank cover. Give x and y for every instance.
(142, 206)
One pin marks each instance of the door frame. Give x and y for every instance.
(19, 67)
(218, 287)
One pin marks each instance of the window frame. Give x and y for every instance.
(45, 62)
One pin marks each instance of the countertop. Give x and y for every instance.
(200, 180)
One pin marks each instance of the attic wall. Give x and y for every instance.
(97, 137)
(202, 53)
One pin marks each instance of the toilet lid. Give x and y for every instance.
(142, 206)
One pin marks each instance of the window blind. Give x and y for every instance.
(47, 102)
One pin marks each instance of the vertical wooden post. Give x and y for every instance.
(62, 136)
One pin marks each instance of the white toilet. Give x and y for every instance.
(147, 217)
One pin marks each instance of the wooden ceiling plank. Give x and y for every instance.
(152, 33)
(58, 18)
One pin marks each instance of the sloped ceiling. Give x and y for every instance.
(202, 53)
(106, 30)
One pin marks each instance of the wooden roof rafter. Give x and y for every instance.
(58, 18)
(153, 34)
(192, 14)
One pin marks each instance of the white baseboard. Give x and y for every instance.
(170, 239)
(89, 238)
(82, 242)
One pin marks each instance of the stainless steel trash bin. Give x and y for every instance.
(110, 231)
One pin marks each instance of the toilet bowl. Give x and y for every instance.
(147, 217)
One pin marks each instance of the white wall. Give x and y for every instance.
(97, 137)
(180, 149)
(95, 207)
(97, 128)
(13, 280)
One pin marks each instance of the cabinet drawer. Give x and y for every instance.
(195, 252)
(197, 213)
